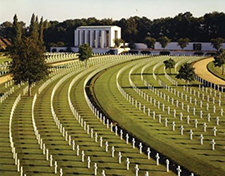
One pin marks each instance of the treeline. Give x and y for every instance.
(135, 29)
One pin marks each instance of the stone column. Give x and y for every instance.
(96, 38)
(76, 38)
(86, 36)
(102, 44)
(81, 37)
(91, 38)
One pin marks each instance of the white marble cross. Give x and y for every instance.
(191, 134)
(167, 165)
(157, 158)
(133, 142)
(120, 157)
(213, 144)
(82, 156)
(149, 152)
(136, 169)
(127, 138)
(179, 171)
(89, 162)
(166, 122)
(140, 147)
(201, 139)
(95, 168)
(181, 130)
(174, 125)
(214, 131)
(128, 163)
(113, 151)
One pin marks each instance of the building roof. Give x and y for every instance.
(96, 27)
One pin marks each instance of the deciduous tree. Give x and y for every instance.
(85, 52)
(28, 61)
(217, 43)
(183, 42)
(169, 64)
(186, 72)
(219, 60)
(164, 41)
(150, 42)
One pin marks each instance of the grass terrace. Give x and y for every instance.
(123, 115)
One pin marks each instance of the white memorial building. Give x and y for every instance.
(98, 37)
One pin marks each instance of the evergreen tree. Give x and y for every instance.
(34, 28)
(28, 61)
(186, 72)
(17, 31)
(41, 30)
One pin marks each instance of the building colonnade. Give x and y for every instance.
(95, 38)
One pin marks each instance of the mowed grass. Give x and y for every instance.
(4, 59)
(215, 70)
(198, 158)
(180, 148)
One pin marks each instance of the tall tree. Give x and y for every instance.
(34, 27)
(219, 60)
(41, 30)
(85, 52)
(217, 43)
(150, 42)
(164, 41)
(28, 64)
(186, 72)
(17, 31)
(28, 61)
(169, 64)
(183, 42)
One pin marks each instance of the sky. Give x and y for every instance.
(61, 10)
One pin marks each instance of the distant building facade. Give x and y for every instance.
(97, 36)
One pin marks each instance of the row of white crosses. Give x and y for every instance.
(209, 84)
(7, 94)
(219, 94)
(15, 154)
(43, 147)
(56, 57)
(174, 82)
(102, 118)
(162, 95)
(188, 119)
(4, 68)
(130, 99)
(78, 117)
(106, 122)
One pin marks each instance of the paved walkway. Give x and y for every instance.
(202, 71)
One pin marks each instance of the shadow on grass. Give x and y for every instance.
(142, 87)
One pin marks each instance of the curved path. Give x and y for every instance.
(202, 71)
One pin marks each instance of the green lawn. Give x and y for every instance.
(195, 157)
(215, 70)
(199, 159)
